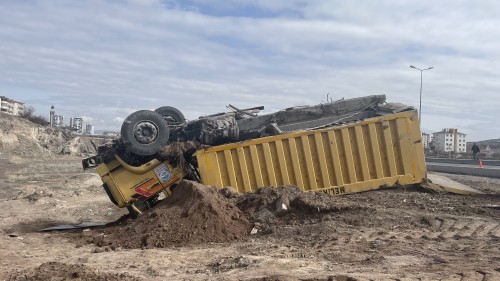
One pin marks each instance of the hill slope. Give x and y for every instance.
(23, 138)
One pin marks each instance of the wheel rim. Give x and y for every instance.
(145, 132)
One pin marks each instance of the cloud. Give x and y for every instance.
(106, 59)
(119, 120)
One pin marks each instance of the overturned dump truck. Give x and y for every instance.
(339, 147)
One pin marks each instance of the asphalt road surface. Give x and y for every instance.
(465, 169)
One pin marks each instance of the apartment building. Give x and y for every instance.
(11, 106)
(78, 124)
(450, 140)
(89, 129)
(426, 139)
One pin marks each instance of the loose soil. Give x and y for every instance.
(193, 214)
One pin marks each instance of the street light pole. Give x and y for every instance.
(420, 106)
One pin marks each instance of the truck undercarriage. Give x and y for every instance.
(144, 133)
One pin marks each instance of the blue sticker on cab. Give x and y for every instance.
(163, 173)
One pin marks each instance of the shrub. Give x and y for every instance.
(28, 113)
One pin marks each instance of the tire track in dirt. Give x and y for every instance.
(484, 229)
(467, 228)
(496, 231)
(470, 229)
(441, 228)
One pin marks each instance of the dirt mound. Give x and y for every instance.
(193, 214)
(196, 214)
(61, 271)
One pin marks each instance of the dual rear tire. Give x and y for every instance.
(145, 132)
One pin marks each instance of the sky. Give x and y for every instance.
(103, 60)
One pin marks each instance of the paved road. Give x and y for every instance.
(465, 169)
(463, 161)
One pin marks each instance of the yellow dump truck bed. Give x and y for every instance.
(375, 152)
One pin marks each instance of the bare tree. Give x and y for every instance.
(28, 113)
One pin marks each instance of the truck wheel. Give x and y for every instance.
(172, 115)
(144, 132)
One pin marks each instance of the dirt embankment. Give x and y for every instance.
(23, 138)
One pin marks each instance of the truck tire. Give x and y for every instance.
(144, 132)
(172, 115)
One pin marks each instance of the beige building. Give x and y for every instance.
(449, 140)
(11, 106)
(426, 139)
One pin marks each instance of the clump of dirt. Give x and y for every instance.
(286, 199)
(62, 271)
(192, 214)
(176, 150)
(289, 205)
(230, 263)
(267, 198)
(33, 193)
